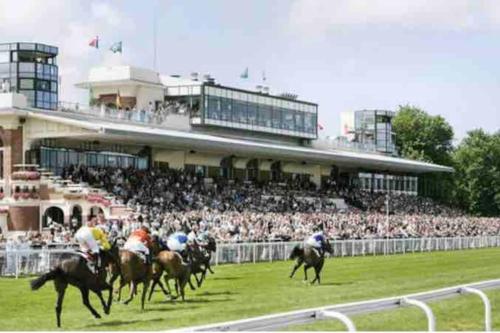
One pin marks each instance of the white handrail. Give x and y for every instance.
(431, 320)
(343, 318)
(486, 302)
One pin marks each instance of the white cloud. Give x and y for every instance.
(69, 25)
(319, 16)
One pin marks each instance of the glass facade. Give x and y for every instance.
(55, 159)
(31, 69)
(258, 112)
(375, 127)
(388, 183)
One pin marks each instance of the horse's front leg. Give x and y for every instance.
(105, 306)
(133, 291)
(86, 302)
(297, 265)
(306, 267)
(144, 292)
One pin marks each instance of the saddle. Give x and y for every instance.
(92, 262)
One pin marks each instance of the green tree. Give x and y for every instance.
(477, 178)
(422, 136)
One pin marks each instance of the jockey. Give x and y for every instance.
(178, 242)
(139, 242)
(316, 241)
(91, 240)
(202, 238)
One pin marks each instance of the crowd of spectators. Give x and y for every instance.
(170, 200)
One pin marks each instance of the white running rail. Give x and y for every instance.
(342, 311)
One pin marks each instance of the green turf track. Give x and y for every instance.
(241, 291)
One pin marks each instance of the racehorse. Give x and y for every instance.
(200, 257)
(171, 263)
(133, 271)
(74, 271)
(310, 257)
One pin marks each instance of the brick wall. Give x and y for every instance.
(13, 149)
(24, 218)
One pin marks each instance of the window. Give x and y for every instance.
(42, 85)
(276, 120)
(26, 67)
(288, 120)
(4, 57)
(26, 83)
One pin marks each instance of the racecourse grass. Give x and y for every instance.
(247, 290)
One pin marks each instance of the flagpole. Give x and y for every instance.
(154, 40)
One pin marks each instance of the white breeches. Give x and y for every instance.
(136, 246)
(312, 242)
(86, 240)
(174, 245)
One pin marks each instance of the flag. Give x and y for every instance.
(244, 75)
(264, 76)
(116, 47)
(94, 42)
(320, 127)
(346, 129)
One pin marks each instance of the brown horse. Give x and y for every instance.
(133, 271)
(74, 271)
(171, 263)
(310, 257)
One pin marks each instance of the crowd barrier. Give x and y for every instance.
(27, 262)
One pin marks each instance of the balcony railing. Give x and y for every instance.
(156, 117)
(329, 143)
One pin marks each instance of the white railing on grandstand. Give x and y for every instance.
(149, 117)
(15, 263)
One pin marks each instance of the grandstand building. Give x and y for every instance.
(139, 118)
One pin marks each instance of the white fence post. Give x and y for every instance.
(254, 252)
(431, 320)
(343, 318)
(486, 302)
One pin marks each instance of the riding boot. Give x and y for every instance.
(149, 259)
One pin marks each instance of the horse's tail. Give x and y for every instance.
(296, 252)
(40, 281)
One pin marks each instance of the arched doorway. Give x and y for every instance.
(76, 217)
(52, 215)
(95, 211)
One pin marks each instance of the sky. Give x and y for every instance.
(442, 56)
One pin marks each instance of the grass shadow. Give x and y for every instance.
(335, 283)
(115, 323)
(209, 293)
(203, 300)
(226, 278)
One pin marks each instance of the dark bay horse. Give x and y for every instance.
(200, 257)
(310, 257)
(74, 271)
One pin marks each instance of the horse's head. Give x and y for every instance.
(328, 246)
(211, 244)
(156, 246)
(112, 256)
